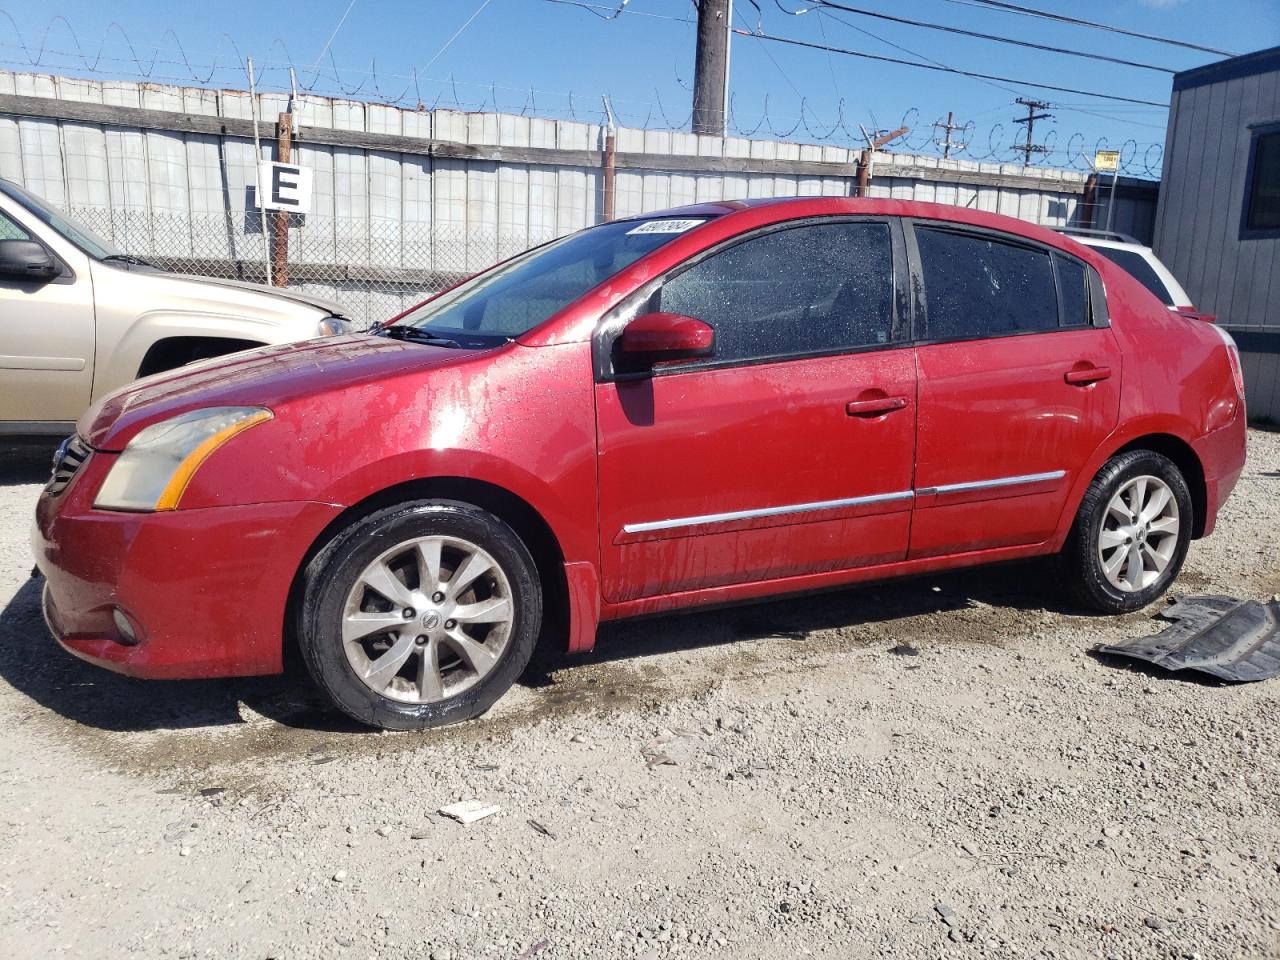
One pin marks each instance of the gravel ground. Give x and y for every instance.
(764, 782)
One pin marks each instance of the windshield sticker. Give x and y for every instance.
(665, 226)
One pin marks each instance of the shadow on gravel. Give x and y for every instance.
(1027, 586)
(33, 664)
(1133, 665)
(26, 461)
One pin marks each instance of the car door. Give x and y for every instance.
(46, 340)
(787, 452)
(1019, 383)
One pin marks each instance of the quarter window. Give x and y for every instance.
(10, 230)
(809, 289)
(1073, 284)
(979, 287)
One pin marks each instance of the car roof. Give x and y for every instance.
(766, 209)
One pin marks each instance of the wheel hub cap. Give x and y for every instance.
(1138, 537)
(428, 619)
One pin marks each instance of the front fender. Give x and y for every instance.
(522, 419)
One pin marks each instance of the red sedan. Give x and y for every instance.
(715, 403)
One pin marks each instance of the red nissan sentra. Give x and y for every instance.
(716, 403)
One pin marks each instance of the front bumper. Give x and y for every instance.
(205, 590)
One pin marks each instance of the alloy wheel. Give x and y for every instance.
(428, 619)
(1139, 534)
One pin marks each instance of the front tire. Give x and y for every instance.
(1131, 533)
(420, 615)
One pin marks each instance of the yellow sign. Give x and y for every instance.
(1106, 161)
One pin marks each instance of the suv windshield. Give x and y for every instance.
(84, 238)
(516, 296)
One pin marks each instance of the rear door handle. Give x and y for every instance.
(873, 408)
(1082, 378)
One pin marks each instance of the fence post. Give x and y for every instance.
(280, 219)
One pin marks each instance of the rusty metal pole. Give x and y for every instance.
(280, 219)
(864, 172)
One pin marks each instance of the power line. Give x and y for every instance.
(1076, 22)
(457, 33)
(329, 42)
(791, 41)
(1066, 51)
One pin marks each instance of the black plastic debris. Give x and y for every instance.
(1237, 640)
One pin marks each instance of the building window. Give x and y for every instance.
(1262, 186)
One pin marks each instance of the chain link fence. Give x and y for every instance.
(373, 268)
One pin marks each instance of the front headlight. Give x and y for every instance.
(332, 326)
(157, 464)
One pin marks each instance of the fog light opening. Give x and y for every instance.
(128, 634)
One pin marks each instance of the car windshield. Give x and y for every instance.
(516, 296)
(76, 233)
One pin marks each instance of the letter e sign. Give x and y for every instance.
(283, 186)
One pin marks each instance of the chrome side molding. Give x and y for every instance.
(991, 484)
(1023, 479)
(653, 525)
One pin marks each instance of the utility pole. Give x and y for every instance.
(947, 143)
(280, 219)
(711, 67)
(875, 140)
(1031, 148)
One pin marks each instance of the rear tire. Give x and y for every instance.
(420, 615)
(1131, 533)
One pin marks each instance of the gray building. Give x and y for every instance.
(1218, 219)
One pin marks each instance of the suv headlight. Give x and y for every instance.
(153, 471)
(332, 326)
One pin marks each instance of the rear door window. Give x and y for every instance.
(1135, 264)
(976, 286)
(815, 288)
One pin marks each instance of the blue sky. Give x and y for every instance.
(531, 54)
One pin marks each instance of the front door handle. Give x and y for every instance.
(1086, 376)
(874, 408)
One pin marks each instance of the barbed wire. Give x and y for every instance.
(117, 57)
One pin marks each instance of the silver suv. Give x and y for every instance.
(1139, 261)
(79, 318)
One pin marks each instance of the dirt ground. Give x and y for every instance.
(763, 782)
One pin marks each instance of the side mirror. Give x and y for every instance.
(26, 260)
(659, 337)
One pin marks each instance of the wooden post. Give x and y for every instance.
(280, 218)
(1089, 202)
(864, 172)
(711, 67)
(610, 165)
(868, 155)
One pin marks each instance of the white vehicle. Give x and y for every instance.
(1139, 261)
(79, 318)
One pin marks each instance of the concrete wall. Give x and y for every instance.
(406, 200)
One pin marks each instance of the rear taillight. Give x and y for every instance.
(1233, 354)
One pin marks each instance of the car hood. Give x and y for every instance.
(266, 377)
(282, 293)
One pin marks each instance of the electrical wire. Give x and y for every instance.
(457, 33)
(1066, 51)
(791, 41)
(1076, 22)
(328, 43)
